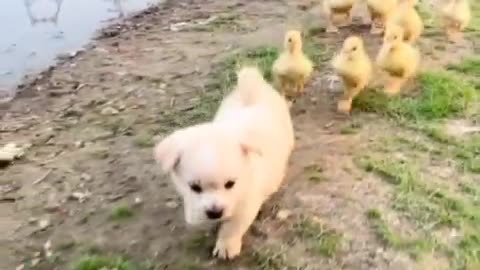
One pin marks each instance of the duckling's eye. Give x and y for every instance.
(354, 48)
(289, 40)
(229, 184)
(196, 188)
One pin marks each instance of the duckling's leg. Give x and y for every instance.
(456, 33)
(351, 91)
(290, 88)
(300, 85)
(451, 30)
(376, 27)
(331, 27)
(347, 18)
(394, 85)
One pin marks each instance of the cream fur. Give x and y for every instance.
(249, 142)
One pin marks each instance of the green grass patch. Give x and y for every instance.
(198, 242)
(468, 152)
(268, 259)
(469, 66)
(314, 173)
(425, 11)
(471, 189)
(224, 22)
(393, 240)
(319, 237)
(441, 95)
(428, 207)
(122, 212)
(424, 204)
(144, 140)
(95, 262)
(351, 128)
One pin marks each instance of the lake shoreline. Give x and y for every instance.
(56, 39)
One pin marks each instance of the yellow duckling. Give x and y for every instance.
(400, 60)
(338, 11)
(456, 15)
(292, 68)
(380, 12)
(407, 17)
(354, 66)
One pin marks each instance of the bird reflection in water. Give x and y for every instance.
(35, 19)
(53, 17)
(117, 7)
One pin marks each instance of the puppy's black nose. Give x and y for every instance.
(214, 213)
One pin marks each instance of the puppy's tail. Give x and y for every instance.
(250, 84)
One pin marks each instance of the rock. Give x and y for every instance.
(10, 152)
(103, 135)
(54, 207)
(178, 26)
(109, 111)
(44, 137)
(122, 107)
(43, 224)
(79, 144)
(79, 196)
(283, 214)
(20, 267)
(138, 201)
(32, 220)
(72, 112)
(47, 248)
(86, 177)
(34, 262)
(172, 204)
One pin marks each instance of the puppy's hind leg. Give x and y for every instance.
(229, 241)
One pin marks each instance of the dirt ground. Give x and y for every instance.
(87, 184)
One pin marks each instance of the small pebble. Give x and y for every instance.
(32, 220)
(86, 177)
(43, 224)
(138, 201)
(172, 204)
(34, 262)
(109, 111)
(79, 144)
(283, 214)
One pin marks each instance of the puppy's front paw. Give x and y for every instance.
(344, 106)
(227, 249)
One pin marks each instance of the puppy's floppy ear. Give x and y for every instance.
(167, 153)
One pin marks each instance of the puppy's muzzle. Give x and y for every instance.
(214, 213)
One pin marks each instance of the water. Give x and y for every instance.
(34, 32)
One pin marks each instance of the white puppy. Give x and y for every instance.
(225, 169)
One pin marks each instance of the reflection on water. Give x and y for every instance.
(33, 32)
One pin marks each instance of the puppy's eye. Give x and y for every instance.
(196, 188)
(229, 184)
